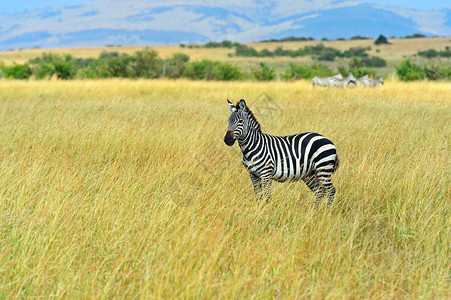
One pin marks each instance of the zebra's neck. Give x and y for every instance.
(250, 141)
(253, 121)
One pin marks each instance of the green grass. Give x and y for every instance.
(120, 188)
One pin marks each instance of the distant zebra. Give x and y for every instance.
(374, 83)
(307, 156)
(345, 81)
(365, 81)
(326, 81)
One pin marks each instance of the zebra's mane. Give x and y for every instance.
(252, 119)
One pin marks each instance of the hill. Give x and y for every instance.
(139, 22)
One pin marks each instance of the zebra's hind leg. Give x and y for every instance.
(324, 176)
(314, 185)
(331, 194)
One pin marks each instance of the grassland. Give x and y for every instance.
(120, 188)
(394, 54)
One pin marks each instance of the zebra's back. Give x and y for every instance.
(296, 156)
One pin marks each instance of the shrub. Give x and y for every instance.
(175, 66)
(357, 51)
(281, 52)
(433, 72)
(431, 53)
(374, 62)
(265, 73)
(223, 44)
(408, 71)
(226, 71)
(359, 72)
(18, 71)
(358, 37)
(64, 66)
(415, 36)
(381, 40)
(212, 70)
(146, 64)
(199, 70)
(243, 50)
(306, 72)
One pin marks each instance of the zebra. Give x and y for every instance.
(345, 81)
(363, 80)
(306, 156)
(375, 82)
(325, 81)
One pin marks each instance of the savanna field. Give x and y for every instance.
(125, 188)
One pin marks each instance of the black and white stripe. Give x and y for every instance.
(375, 82)
(326, 81)
(366, 81)
(306, 156)
(343, 83)
(363, 80)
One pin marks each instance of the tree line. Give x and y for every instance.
(147, 64)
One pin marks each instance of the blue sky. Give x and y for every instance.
(11, 7)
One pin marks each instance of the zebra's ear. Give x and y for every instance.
(242, 104)
(231, 106)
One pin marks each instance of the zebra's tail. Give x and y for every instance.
(337, 164)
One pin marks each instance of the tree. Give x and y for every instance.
(381, 40)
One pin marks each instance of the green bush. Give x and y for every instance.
(414, 36)
(226, 71)
(243, 50)
(223, 44)
(146, 64)
(408, 71)
(17, 71)
(359, 37)
(359, 72)
(381, 40)
(355, 51)
(306, 72)
(175, 66)
(63, 66)
(199, 70)
(373, 62)
(431, 53)
(265, 73)
(212, 70)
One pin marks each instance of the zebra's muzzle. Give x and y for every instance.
(229, 139)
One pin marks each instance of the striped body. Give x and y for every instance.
(374, 83)
(362, 81)
(334, 81)
(365, 81)
(307, 156)
(345, 81)
(326, 81)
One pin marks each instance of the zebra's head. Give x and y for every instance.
(238, 122)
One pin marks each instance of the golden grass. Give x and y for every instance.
(126, 188)
(399, 50)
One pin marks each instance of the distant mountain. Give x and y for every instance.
(143, 22)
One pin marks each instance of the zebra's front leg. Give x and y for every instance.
(257, 183)
(266, 184)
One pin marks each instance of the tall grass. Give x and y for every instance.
(126, 188)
